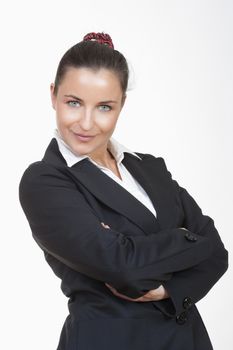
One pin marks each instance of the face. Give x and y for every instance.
(87, 105)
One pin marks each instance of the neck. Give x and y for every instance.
(105, 160)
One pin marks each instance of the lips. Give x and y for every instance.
(84, 138)
(85, 135)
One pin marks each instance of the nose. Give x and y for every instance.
(87, 119)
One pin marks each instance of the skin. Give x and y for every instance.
(90, 116)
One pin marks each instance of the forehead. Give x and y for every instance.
(88, 80)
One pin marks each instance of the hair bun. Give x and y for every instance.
(102, 38)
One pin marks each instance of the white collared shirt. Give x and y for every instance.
(117, 150)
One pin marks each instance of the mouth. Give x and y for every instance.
(84, 138)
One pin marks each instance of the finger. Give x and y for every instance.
(122, 296)
(115, 292)
(105, 226)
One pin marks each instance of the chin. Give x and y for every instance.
(82, 149)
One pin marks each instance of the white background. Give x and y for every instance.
(180, 107)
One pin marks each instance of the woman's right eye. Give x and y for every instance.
(72, 103)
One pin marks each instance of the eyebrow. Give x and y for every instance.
(79, 99)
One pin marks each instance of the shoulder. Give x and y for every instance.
(41, 173)
(36, 169)
(158, 167)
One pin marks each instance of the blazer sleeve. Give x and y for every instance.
(63, 224)
(190, 285)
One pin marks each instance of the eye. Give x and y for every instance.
(72, 103)
(107, 108)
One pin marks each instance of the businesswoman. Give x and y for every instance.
(131, 246)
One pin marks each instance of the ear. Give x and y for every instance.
(53, 97)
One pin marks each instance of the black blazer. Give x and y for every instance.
(65, 207)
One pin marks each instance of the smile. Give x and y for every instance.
(84, 138)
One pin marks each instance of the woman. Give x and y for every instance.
(132, 247)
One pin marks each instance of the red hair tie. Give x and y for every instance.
(100, 37)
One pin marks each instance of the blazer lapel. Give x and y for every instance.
(114, 195)
(110, 192)
(157, 182)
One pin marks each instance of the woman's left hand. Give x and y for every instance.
(152, 295)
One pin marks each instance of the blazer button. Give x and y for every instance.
(190, 237)
(182, 318)
(187, 303)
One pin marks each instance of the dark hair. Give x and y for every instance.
(94, 55)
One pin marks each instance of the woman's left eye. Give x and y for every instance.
(108, 108)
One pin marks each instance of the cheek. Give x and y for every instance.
(66, 116)
(106, 122)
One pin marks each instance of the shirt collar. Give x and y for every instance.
(115, 147)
